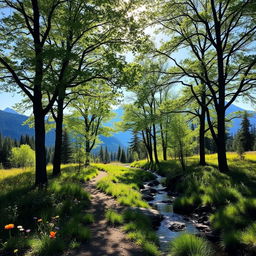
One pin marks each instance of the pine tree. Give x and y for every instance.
(244, 138)
(23, 140)
(66, 151)
(6, 152)
(107, 157)
(123, 158)
(119, 153)
(101, 155)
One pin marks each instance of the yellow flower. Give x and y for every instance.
(16, 250)
(39, 220)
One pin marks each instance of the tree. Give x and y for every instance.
(90, 113)
(218, 36)
(26, 61)
(244, 139)
(66, 148)
(23, 156)
(123, 158)
(119, 152)
(6, 152)
(107, 157)
(89, 37)
(101, 155)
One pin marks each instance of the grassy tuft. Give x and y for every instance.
(113, 217)
(190, 245)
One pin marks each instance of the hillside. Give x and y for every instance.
(11, 124)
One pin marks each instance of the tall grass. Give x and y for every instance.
(60, 208)
(123, 183)
(190, 245)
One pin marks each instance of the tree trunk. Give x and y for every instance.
(202, 138)
(41, 175)
(221, 142)
(148, 145)
(58, 139)
(155, 144)
(164, 147)
(87, 153)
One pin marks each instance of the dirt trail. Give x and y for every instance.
(105, 240)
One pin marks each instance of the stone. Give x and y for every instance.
(177, 226)
(147, 197)
(155, 216)
(153, 183)
(202, 227)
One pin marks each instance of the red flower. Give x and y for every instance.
(52, 234)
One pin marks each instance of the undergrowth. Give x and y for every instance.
(48, 221)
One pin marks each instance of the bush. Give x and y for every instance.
(190, 245)
(22, 157)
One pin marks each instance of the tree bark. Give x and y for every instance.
(155, 144)
(87, 153)
(202, 140)
(58, 138)
(163, 140)
(40, 152)
(221, 142)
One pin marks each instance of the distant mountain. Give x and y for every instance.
(9, 110)
(11, 124)
(237, 121)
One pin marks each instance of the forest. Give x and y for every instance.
(185, 185)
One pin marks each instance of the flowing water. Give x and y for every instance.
(162, 203)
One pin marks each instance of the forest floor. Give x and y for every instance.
(105, 239)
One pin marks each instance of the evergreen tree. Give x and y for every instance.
(119, 153)
(244, 138)
(6, 152)
(101, 155)
(66, 151)
(107, 157)
(23, 140)
(123, 158)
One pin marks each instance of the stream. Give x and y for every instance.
(163, 203)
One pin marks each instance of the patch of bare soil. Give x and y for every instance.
(105, 240)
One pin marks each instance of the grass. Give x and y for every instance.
(60, 208)
(113, 217)
(139, 229)
(190, 245)
(231, 195)
(123, 183)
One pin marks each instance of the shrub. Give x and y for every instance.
(23, 156)
(190, 245)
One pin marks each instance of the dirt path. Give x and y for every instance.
(105, 240)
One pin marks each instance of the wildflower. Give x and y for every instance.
(39, 220)
(57, 228)
(16, 250)
(28, 230)
(9, 226)
(52, 234)
(19, 227)
(35, 218)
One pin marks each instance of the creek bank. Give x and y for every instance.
(173, 223)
